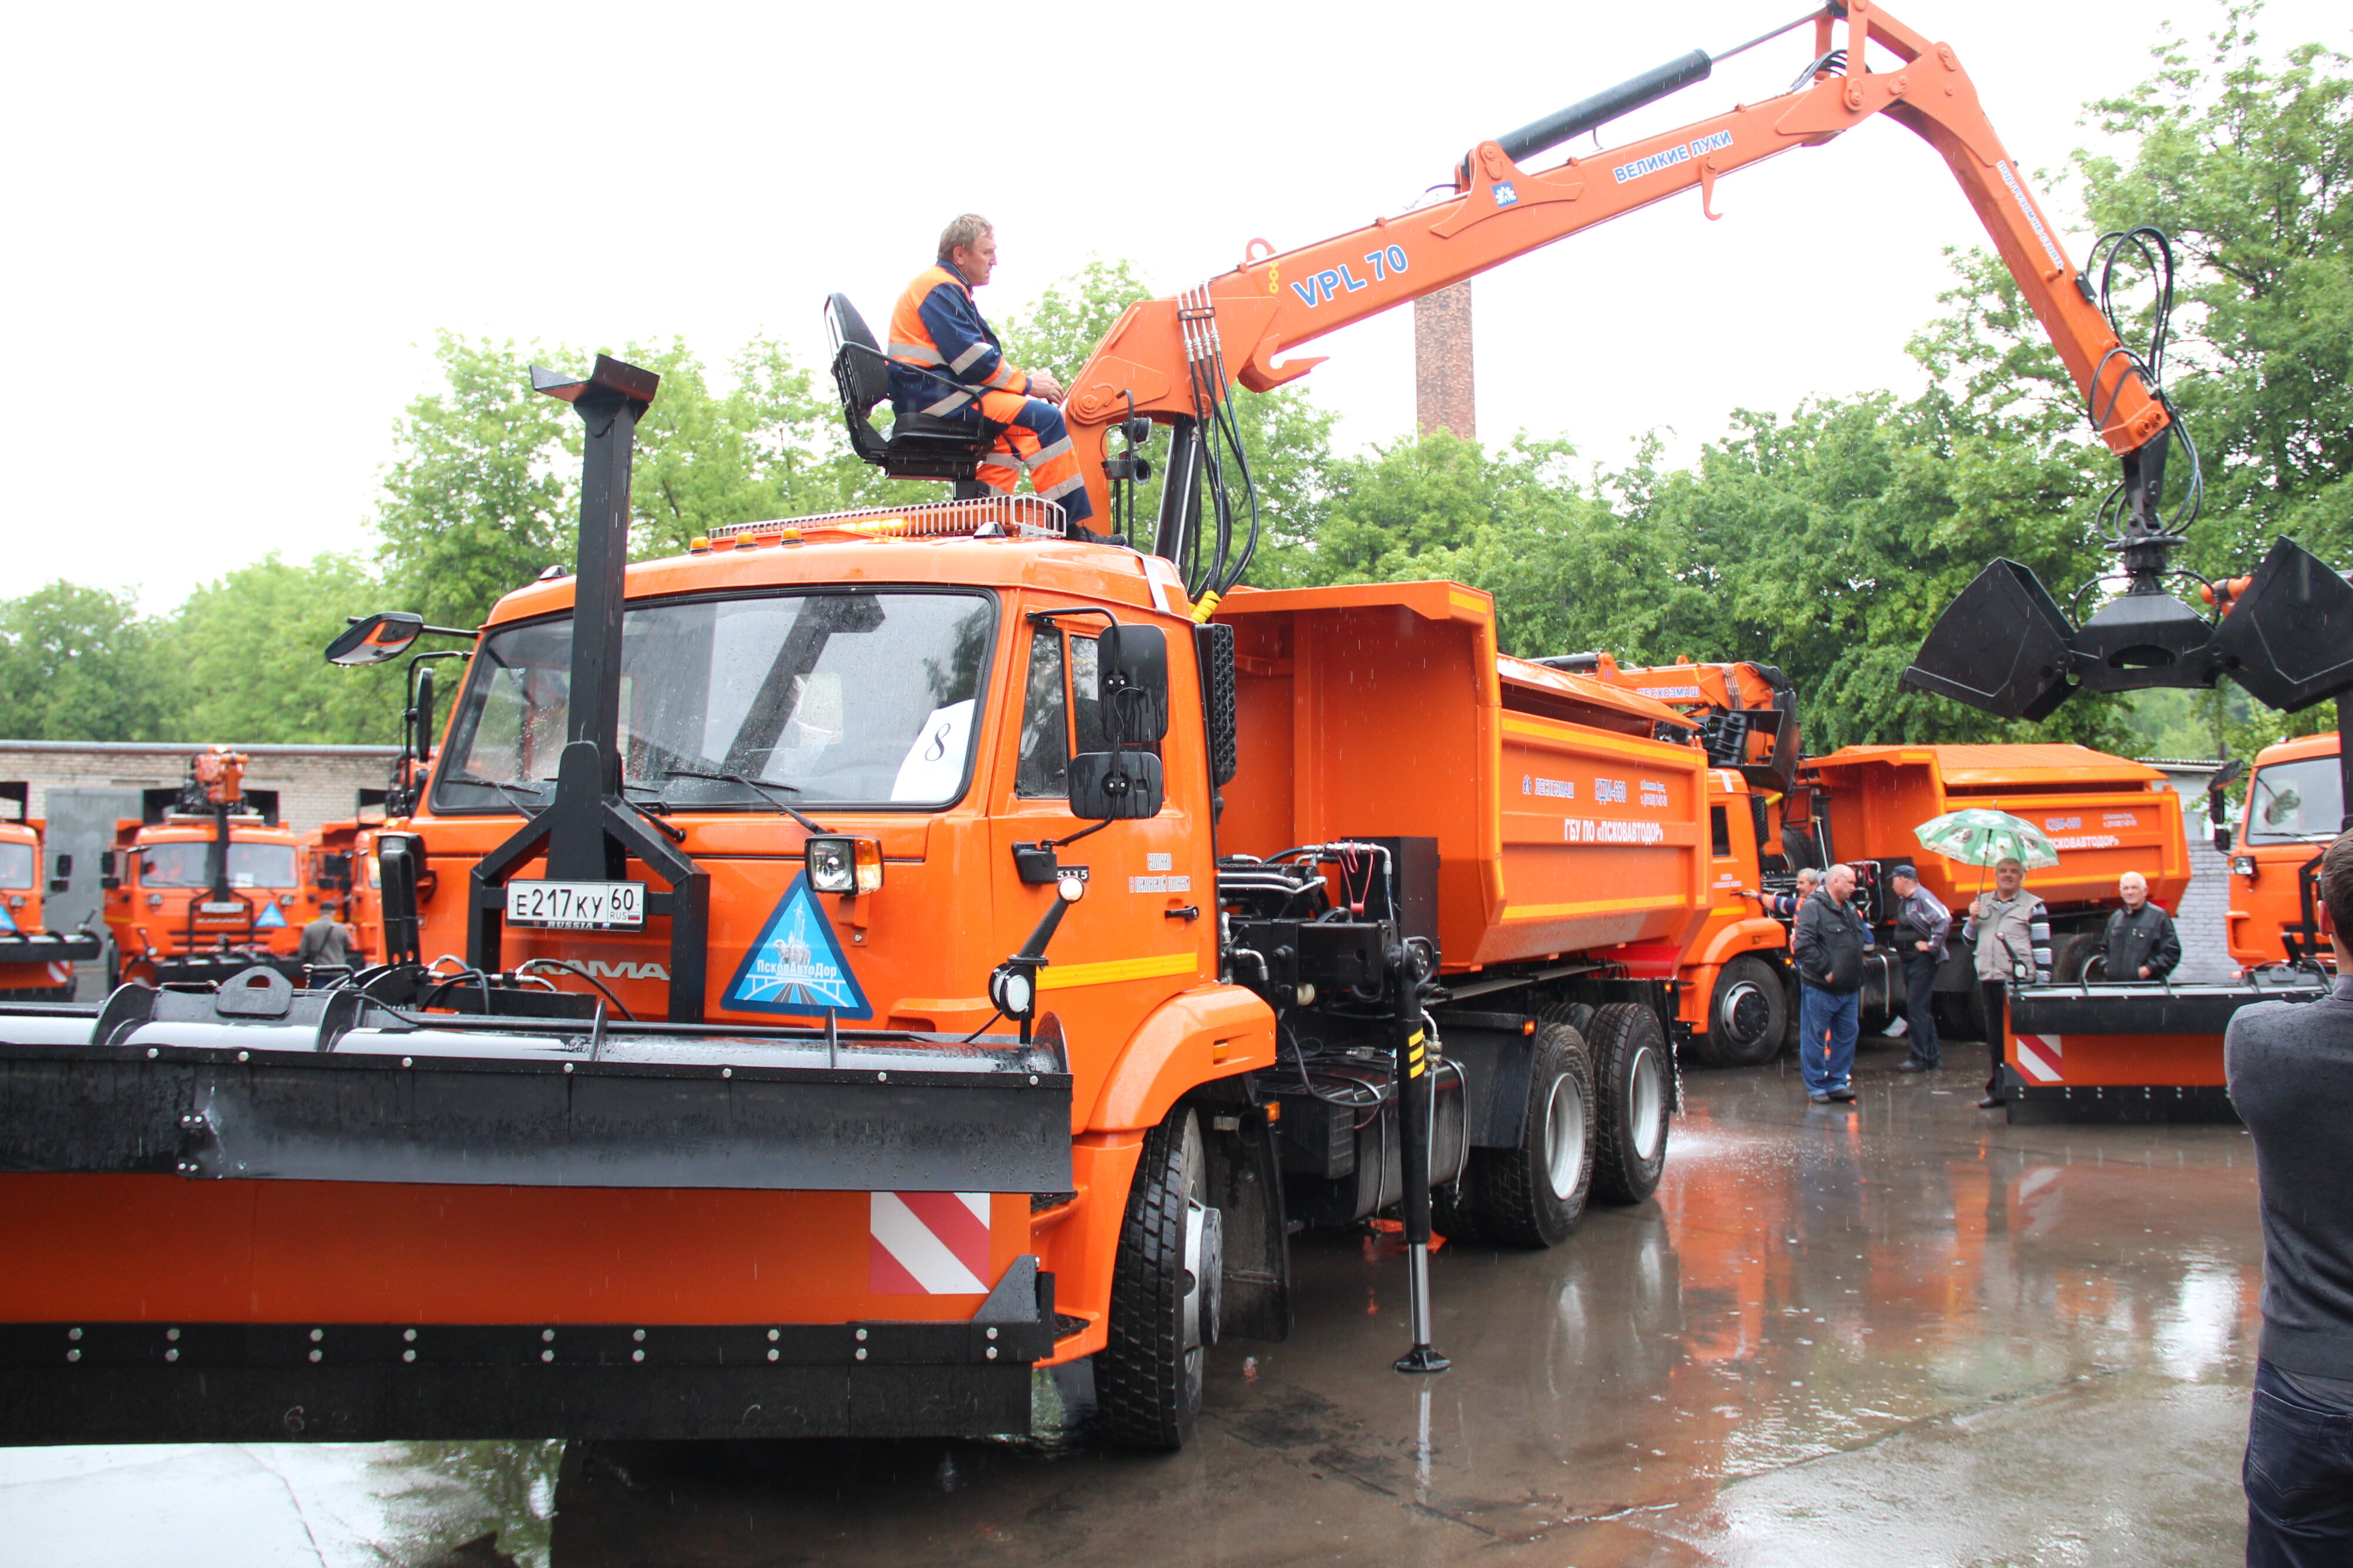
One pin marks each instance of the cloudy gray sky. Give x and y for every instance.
(236, 228)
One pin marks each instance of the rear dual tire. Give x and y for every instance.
(1534, 1193)
(1634, 1092)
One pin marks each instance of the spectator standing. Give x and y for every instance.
(2140, 943)
(2290, 1068)
(1828, 948)
(326, 942)
(1785, 906)
(2009, 931)
(1922, 924)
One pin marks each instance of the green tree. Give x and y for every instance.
(248, 649)
(81, 664)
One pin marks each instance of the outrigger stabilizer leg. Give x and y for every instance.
(1413, 1081)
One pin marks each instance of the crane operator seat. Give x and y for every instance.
(921, 446)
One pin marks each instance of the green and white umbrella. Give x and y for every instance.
(1981, 837)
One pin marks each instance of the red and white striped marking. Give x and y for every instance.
(2041, 1058)
(928, 1244)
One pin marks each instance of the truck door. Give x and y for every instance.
(1143, 931)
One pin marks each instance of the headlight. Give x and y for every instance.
(839, 864)
(1011, 992)
(2242, 865)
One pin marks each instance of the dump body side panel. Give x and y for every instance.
(1380, 710)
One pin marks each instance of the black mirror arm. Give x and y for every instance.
(436, 631)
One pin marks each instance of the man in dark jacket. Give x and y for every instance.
(1828, 948)
(2141, 942)
(1922, 924)
(2290, 1068)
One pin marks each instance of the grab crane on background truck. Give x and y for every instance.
(1025, 931)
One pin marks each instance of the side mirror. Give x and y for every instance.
(109, 873)
(400, 865)
(1132, 684)
(1115, 786)
(65, 865)
(2221, 840)
(423, 715)
(376, 639)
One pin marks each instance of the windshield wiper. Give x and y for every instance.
(756, 787)
(515, 796)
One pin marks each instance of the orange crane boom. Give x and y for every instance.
(1270, 304)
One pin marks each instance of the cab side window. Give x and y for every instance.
(1044, 769)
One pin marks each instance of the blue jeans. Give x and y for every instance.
(2299, 1478)
(1826, 1068)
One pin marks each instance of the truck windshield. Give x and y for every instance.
(16, 865)
(858, 698)
(249, 866)
(2291, 802)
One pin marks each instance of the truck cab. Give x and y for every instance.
(2294, 804)
(160, 907)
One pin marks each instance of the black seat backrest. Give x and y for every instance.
(860, 366)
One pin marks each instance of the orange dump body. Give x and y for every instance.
(2292, 810)
(2106, 815)
(1564, 825)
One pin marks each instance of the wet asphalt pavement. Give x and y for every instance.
(1898, 1333)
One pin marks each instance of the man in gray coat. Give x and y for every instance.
(2290, 1068)
(1922, 924)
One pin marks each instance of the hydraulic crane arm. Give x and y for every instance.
(1271, 304)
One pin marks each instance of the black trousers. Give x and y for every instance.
(1997, 1006)
(1920, 1006)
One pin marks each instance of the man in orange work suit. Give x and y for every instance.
(946, 363)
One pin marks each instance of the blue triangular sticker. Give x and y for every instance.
(7, 920)
(796, 966)
(268, 919)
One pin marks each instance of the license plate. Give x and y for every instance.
(577, 906)
(209, 908)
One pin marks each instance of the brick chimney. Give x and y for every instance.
(1442, 395)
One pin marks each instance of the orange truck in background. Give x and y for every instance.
(2105, 815)
(2295, 806)
(205, 888)
(339, 869)
(37, 964)
(1737, 996)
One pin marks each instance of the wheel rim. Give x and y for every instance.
(1647, 1101)
(1564, 1137)
(1745, 1012)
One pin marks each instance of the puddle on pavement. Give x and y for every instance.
(1904, 1333)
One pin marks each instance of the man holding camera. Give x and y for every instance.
(2290, 1068)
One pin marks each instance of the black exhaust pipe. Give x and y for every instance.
(1603, 106)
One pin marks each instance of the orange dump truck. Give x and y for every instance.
(1738, 997)
(2105, 815)
(36, 963)
(2295, 804)
(992, 967)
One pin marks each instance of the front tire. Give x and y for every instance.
(1164, 1294)
(1749, 1016)
(1534, 1194)
(1636, 1096)
(2073, 961)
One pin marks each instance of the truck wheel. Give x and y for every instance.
(1749, 1016)
(2071, 960)
(1629, 1055)
(1534, 1194)
(1164, 1294)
